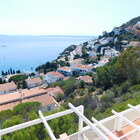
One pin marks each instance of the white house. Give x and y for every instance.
(81, 69)
(7, 88)
(66, 71)
(53, 76)
(33, 82)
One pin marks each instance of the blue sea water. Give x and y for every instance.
(26, 52)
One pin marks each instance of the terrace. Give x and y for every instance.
(121, 126)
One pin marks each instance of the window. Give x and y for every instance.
(48, 108)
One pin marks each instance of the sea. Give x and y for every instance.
(25, 53)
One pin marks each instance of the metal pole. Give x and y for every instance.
(80, 126)
(46, 126)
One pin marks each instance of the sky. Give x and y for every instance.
(64, 17)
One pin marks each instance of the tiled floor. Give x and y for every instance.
(126, 129)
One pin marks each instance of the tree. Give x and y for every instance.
(1, 81)
(82, 84)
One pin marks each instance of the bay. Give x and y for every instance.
(26, 52)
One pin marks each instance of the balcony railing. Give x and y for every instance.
(101, 130)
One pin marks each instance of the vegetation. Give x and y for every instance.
(125, 67)
(19, 80)
(28, 111)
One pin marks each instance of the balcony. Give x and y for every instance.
(121, 126)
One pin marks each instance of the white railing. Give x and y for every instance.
(98, 128)
(37, 121)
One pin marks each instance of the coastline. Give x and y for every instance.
(34, 55)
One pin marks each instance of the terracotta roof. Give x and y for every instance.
(82, 67)
(76, 60)
(66, 78)
(86, 79)
(27, 93)
(55, 91)
(41, 74)
(54, 73)
(65, 68)
(34, 80)
(44, 99)
(134, 43)
(8, 86)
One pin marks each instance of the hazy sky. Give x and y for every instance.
(64, 17)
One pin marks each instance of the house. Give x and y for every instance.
(93, 58)
(66, 71)
(103, 61)
(76, 61)
(54, 91)
(9, 101)
(81, 69)
(33, 82)
(53, 76)
(116, 30)
(87, 79)
(134, 43)
(7, 88)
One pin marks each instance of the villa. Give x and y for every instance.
(8, 88)
(8, 101)
(81, 69)
(53, 76)
(33, 82)
(66, 71)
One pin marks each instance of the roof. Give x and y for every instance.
(66, 78)
(34, 80)
(65, 68)
(55, 91)
(85, 67)
(76, 60)
(27, 93)
(54, 73)
(44, 99)
(8, 86)
(41, 74)
(134, 43)
(86, 79)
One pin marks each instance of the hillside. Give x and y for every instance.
(114, 82)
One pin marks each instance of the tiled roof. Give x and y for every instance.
(66, 78)
(8, 86)
(44, 99)
(54, 73)
(41, 74)
(15, 96)
(82, 67)
(86, 79)
(65, 68)
(76, 60)
(34, 80)
(55, 91)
